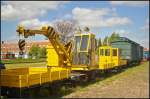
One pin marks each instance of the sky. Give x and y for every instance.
(128, 18)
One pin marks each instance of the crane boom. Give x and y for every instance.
(64, 51)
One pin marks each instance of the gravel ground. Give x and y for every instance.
(132, 83)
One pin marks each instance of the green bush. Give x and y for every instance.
(37, 52)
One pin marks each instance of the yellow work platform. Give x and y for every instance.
(26, 77)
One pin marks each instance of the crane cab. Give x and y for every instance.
(84, 51)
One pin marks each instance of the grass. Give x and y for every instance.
(129, 71)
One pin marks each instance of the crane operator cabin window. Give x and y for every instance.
(78, 38)
(84, 43)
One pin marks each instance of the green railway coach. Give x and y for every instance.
(129, 50)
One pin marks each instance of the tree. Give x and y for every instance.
(108, 40)
(37, 52)
(105, 42)
(34, 51)
(113, 37)
(42, 52)
(66, 29)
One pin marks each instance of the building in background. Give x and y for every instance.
(146, 54)
(11, 49)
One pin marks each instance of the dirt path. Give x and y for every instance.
(132, 83)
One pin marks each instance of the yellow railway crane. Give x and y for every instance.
(59, 62)
(63, 51)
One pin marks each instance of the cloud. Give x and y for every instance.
(145, 28)
(12, 10)
(117, 21)
(34, 23)
(142, 41)
(104, 17)
(130, 3)
(68, 16)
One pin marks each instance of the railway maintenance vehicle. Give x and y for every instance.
(59, 63)
(74, 60)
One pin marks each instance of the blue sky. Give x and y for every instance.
(128, 18)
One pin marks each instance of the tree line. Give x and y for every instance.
(107, 40)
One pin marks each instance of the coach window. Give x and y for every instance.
(114, 52)
(107, 52)
(101, 52)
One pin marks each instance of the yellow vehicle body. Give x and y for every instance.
(26, 77)
(52, 57)
(109, 58)
(58, 63)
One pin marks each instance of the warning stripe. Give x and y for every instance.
(21, 44)
(20, 41)
(50, 31)
(53, 33)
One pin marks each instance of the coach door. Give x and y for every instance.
(108, 58)
(115, 57)
(104, 57)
